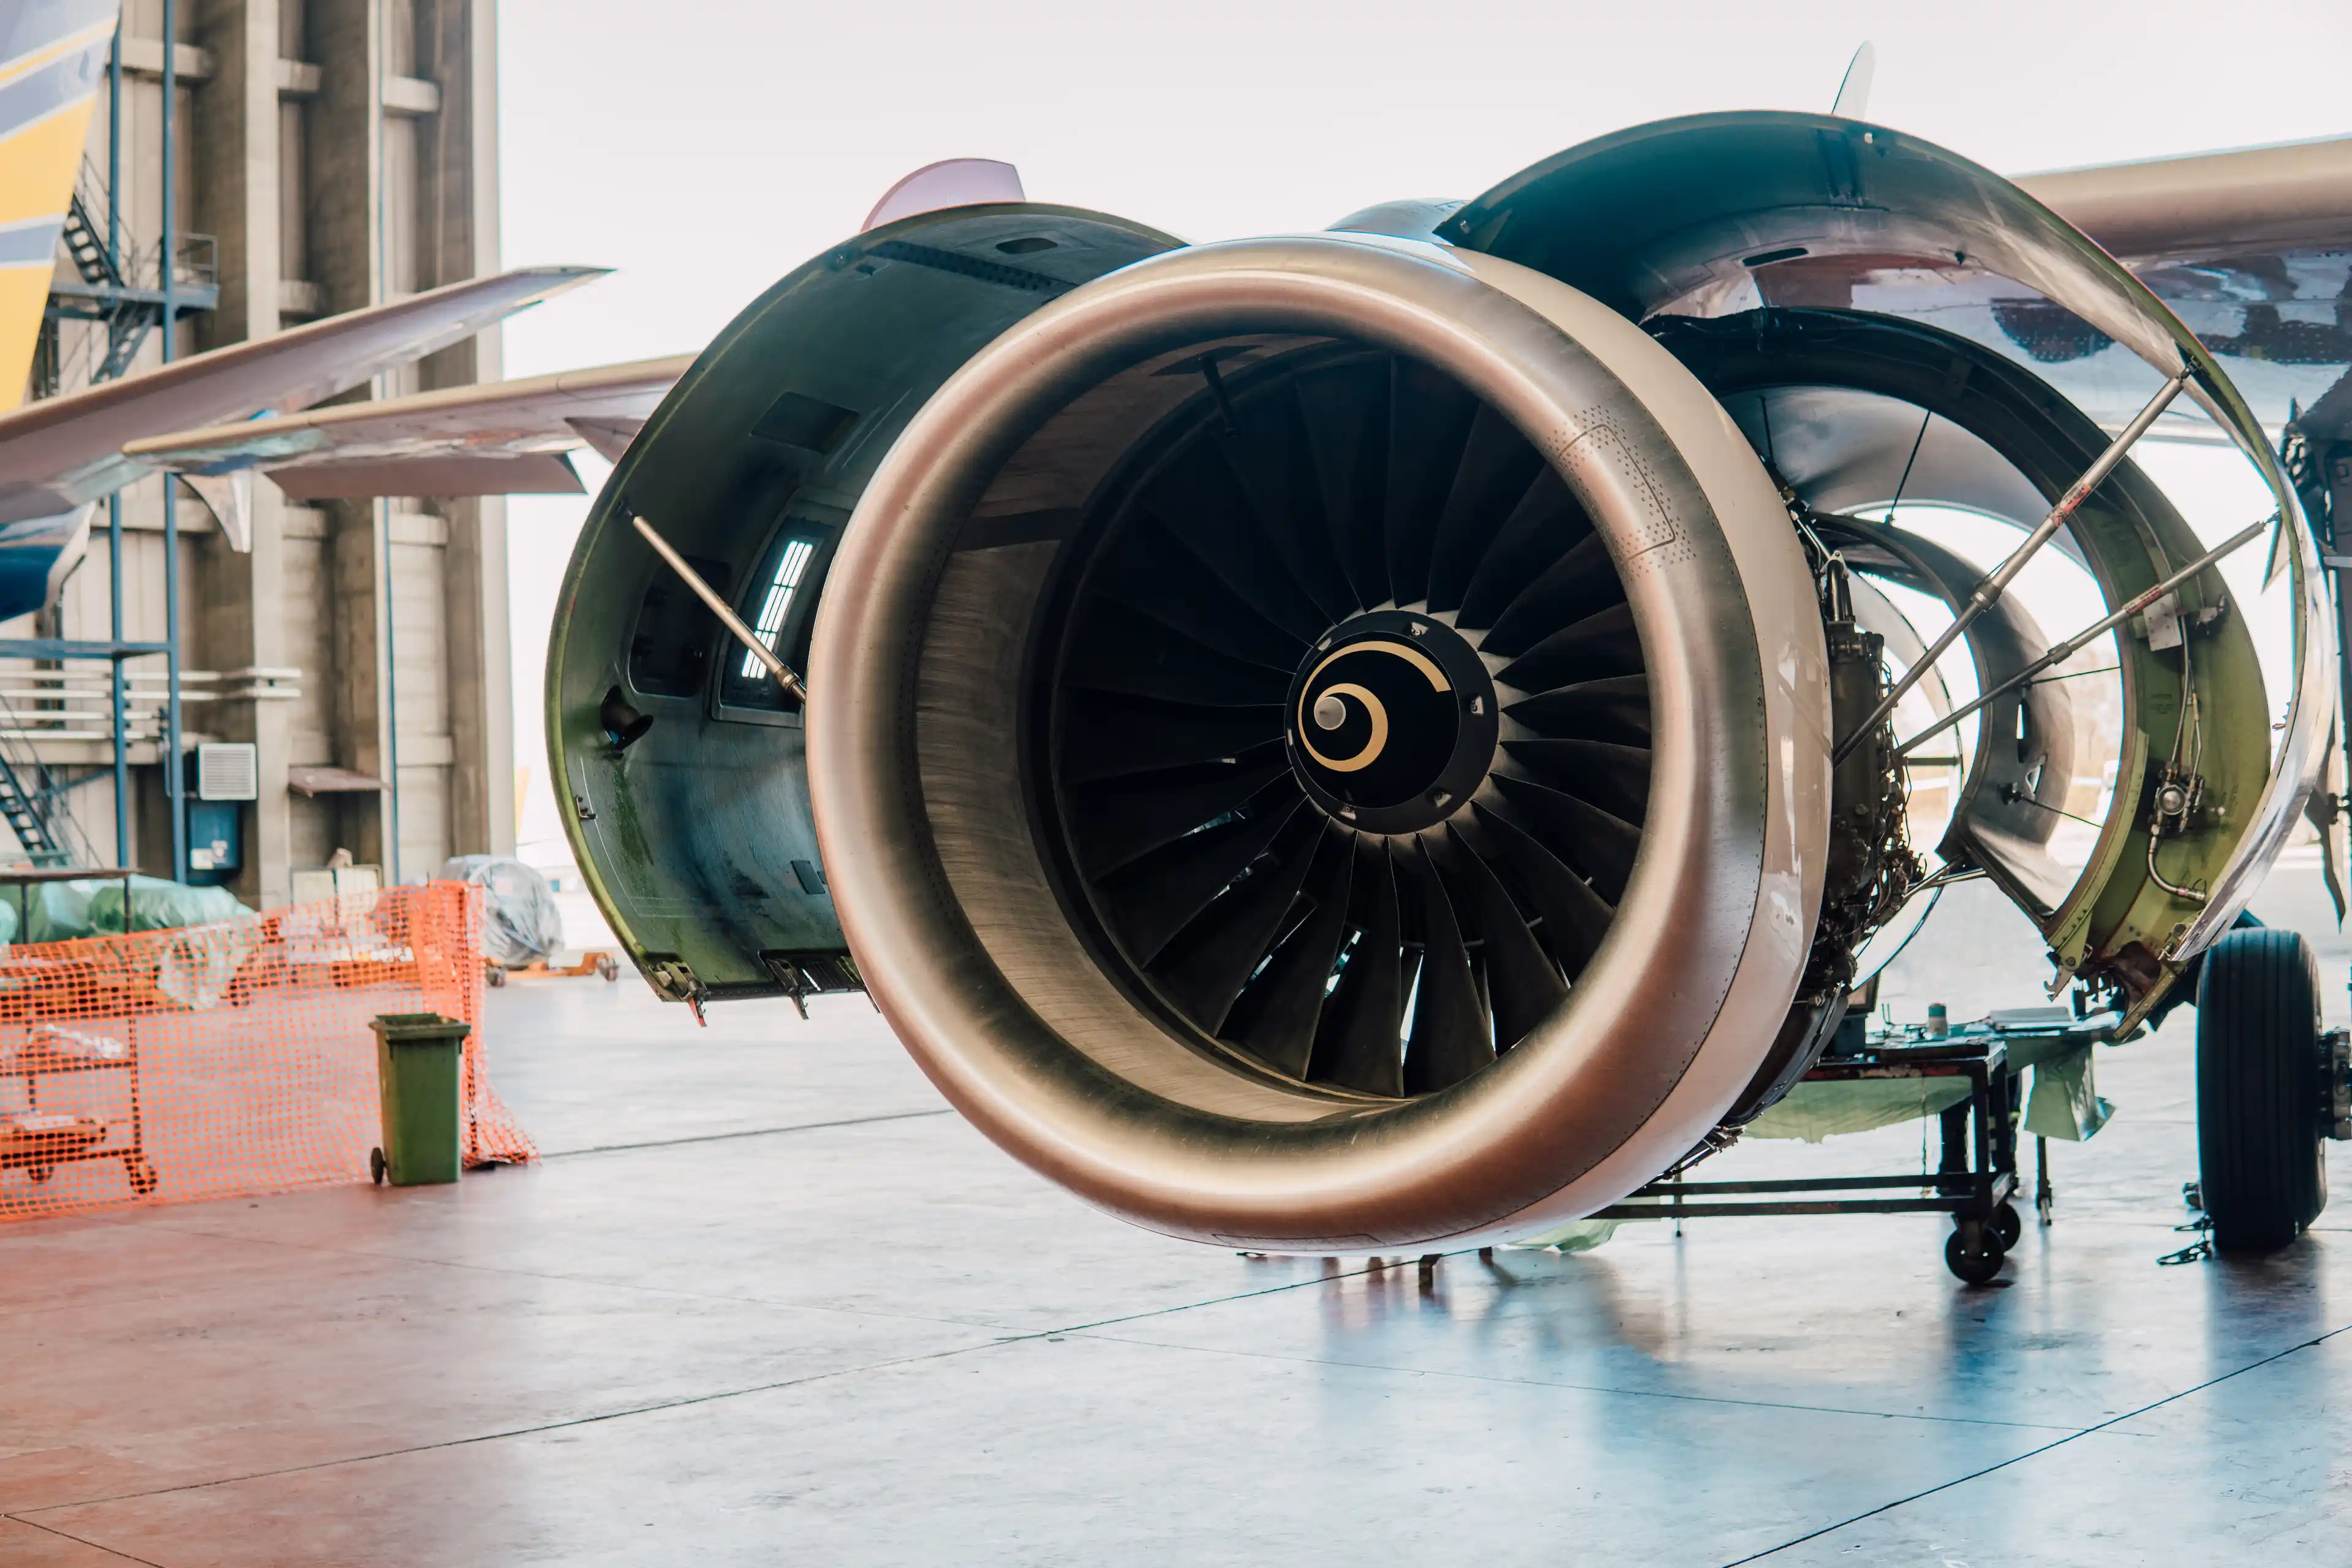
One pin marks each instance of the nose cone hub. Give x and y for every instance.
(1391, 722)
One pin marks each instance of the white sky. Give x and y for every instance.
(707, 147)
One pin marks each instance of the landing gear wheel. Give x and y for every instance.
(143, 1179)
(2008, 1227)
(375, 1166)
(2260, 1062)
(1974, 1253)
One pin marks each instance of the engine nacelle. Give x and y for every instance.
(1240, 640)
(1323, 743)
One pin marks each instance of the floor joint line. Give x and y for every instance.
(746, 1132)
(2036, 1453)
(77, 1540)
(654, 1408)
(658, 1406)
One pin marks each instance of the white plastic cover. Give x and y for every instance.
(520, 924)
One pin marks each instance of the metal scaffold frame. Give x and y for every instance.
(108, 292)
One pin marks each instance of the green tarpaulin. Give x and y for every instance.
(66, 912)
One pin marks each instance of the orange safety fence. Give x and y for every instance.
(217, 1060)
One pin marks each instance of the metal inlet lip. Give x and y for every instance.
(940, 885)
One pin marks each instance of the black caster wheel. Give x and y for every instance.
(39, 1173)
(143, 1179)
(2260, 1062)
(608, 968)
(2008, 1227)
(1973, 1252)
(494, 976)
(376, 1166)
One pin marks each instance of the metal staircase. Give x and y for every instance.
(26, 819)
(117, 287)
(33, 800)
(85, 234)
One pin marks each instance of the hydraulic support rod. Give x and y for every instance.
(752, 642)
(2061, 652)
(1989, 592)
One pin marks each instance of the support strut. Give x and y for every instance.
(752, 642)
(2059, 653)
(1989, 592)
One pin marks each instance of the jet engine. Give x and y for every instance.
(1358, 741)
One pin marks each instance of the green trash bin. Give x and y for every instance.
(417, 1065)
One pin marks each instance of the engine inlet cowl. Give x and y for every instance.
(1328, 748)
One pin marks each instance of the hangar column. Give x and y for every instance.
(460, 166)
(402, 196)
(344, 195)
(237, 624)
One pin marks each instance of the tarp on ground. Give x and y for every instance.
(521, 924)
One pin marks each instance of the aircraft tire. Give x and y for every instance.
(2261, 1166)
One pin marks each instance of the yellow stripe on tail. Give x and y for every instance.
(52, 64)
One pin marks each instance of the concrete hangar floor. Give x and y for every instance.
(767, 1300)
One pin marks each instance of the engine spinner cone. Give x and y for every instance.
(1391, 721)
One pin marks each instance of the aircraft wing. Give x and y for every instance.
(509, 437)
(2207, 206)
(2252, 250)
(63, 452)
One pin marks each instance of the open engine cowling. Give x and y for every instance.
(1323, 743)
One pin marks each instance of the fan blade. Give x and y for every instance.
(1546, 524)
(1359, 1043)
(1575, 918)
(1147, 570)
(1521, 982)
(1580, 583)
(1203, 507)
(1207, 965)
(1614, 778)
(1450, 1036)
(1614, 709)
(1346, 409)
(1113, 824)
(1105, 736)
(1140, 658)
(1272, 453)
(1429, 421)
(1593, 648)
(1275, 1019)
(1497, 468)
(1591, 841)
(1149, 900)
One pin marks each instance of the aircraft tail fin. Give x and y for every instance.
(52, 62)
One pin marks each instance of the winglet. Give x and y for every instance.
(1853, 92)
